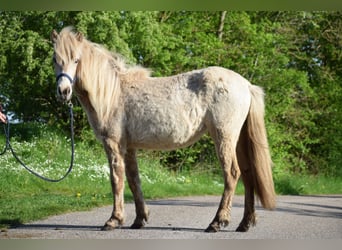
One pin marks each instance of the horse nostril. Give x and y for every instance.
(66, 92)
(59, 91)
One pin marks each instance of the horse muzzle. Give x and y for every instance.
(64, 87)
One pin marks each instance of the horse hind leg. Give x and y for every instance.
(226, 153)
(249, 216)
(132, 174)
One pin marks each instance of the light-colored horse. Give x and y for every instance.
(129, 110)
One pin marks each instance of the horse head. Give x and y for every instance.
(66, 58)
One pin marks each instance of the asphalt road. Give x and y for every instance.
(296, 217)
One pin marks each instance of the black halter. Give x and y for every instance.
(67, 76)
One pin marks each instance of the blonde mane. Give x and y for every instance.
(100, 73)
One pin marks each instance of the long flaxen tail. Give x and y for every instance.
(258, 150)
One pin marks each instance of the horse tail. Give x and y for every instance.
(258, 150)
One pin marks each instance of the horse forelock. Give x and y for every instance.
(67, 47)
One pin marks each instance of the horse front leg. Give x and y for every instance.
(117, 172)
(132, 174)
(231, 174)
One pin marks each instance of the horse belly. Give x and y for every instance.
(166, 128)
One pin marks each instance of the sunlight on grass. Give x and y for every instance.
(23, 197)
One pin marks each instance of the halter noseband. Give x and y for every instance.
(67, 76)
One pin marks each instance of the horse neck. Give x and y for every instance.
(98, 88)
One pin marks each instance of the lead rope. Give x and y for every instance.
(8, 146)
(6, 130)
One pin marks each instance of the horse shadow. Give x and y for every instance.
(96, 228)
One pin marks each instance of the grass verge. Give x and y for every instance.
(24, 198)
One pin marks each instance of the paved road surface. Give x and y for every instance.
(296, 217)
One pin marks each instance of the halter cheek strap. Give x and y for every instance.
(67, 76)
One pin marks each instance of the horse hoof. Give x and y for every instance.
(212, 229)
(242, 228)
(137, 226)
(138, 223)
(107, 227)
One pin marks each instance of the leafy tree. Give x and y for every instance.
(313, 42)
(321, 47)
(26, 76)
(294, 56)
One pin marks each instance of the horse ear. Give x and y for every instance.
(79, 36)
(54, 36)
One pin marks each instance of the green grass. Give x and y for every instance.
(24, 197)
(308, 185)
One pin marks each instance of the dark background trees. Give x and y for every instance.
(294, 56)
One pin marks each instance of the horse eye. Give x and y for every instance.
(77, 60)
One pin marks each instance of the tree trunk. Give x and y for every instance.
(220, 29)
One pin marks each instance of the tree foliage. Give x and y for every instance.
(294, 56)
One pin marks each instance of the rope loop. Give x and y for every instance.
(8, 146)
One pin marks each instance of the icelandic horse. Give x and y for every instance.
(129, 110)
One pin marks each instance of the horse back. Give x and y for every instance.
(172, 112)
